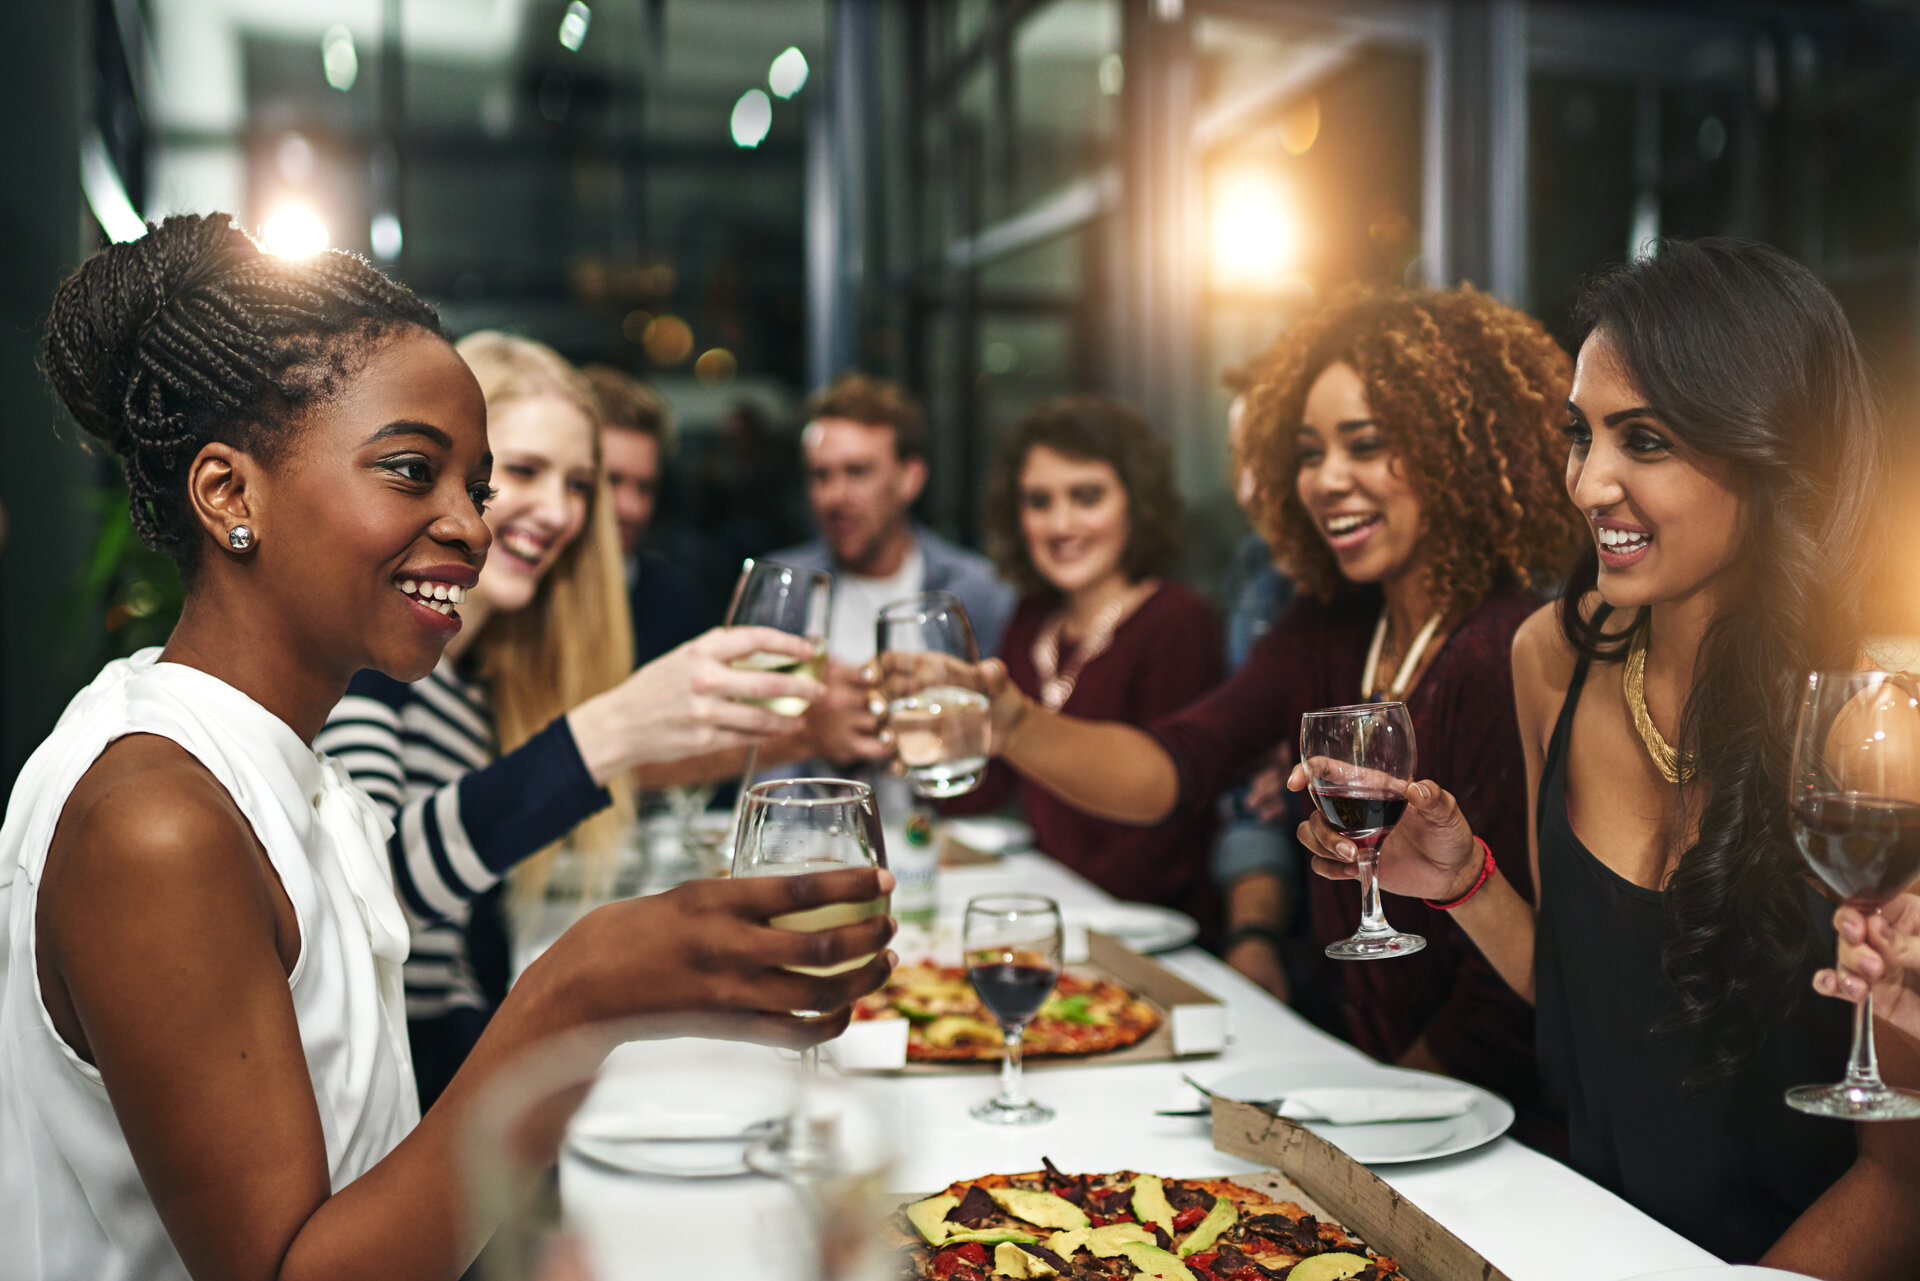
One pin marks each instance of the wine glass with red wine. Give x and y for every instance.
(1013, 947)
(1856, 819)
(1359, 760)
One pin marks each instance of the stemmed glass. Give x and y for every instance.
(1014, 948)
(1359, 760)
(939, 726)
(1856, 818)
(789, 827)
(769, 594)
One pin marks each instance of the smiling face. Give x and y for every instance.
(375, 508)
(1665, 517)
(545, 476)
(1351, 481)
(1074, 517)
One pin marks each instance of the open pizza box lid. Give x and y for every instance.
(1333, 1185)
(1194, 1022)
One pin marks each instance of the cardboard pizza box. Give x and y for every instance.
(1333, 1185)
(1193, 1022)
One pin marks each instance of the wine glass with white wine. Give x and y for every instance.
(786, 599)
(790, 827)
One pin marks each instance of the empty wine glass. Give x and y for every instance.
(1856, 818)
(1013, 947)
(790, 827)
(1359, 760)
(938, 720)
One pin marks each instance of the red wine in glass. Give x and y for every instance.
(1358, 813)
(1866, 848)
(1014, 948)
(1856, 817)
(1013, 992)
(1359, 760)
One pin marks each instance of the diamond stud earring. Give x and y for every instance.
(240, 538)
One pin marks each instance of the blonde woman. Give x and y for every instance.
(521, 737)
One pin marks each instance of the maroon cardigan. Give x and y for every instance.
(1468, 740)
(1167, 653)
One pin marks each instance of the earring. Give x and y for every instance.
(240, 538)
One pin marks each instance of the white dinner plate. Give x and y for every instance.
(691, 1129)
(990, 834)
(1388, 1142)
(1144, 927)
(1724, 1272)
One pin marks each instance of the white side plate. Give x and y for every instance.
(1389, 1142)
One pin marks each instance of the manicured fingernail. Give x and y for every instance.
(1850, 928)
(1419, 792)
(1823, 983)
(1347, 850)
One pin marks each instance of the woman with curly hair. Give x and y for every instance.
(1083, 518)
(1724, 449)
(1403, 452)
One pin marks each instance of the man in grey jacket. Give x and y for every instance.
(865, 450)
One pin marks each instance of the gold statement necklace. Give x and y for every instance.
(1403, 675)
(1633, 682)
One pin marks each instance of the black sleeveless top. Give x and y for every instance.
(1728, 1166)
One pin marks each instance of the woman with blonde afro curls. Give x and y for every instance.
(1405, 454)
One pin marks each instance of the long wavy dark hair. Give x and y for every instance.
(1746, 356)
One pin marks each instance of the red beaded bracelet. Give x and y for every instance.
(1487, 869)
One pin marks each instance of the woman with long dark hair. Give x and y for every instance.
(1724, 448)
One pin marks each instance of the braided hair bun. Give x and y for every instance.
(193, 334)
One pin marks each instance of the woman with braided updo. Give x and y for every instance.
(1402, 449)
(203, 1057)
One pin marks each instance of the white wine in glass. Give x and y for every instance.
(793, 827)
(786, 599)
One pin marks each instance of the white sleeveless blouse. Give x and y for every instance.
(72, 1204)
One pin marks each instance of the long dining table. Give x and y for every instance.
(1526, 1213)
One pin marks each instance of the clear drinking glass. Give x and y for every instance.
(938, 720)
(789, 827)
(1013, 947)
(1359, 760)
(769, 594)
(1856, 818)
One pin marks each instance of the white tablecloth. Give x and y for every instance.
(1529, 1215)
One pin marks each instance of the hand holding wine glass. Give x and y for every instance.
(1358, 761)
(793, 827)
(936, 715)
(1014, 947)
(1855, 796)
(1881, 951)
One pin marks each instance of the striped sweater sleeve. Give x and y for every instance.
(461, 819)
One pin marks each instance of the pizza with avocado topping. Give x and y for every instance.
(1122, 1225)
(950, 1024)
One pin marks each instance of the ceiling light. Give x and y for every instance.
(338, 58)
(1255, 230)
(573, 27)
(384, 236)
(295, 231)
(788, 72)
(752, 117)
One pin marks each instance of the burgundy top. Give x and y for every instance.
(1469, 742)
(1163, 656)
